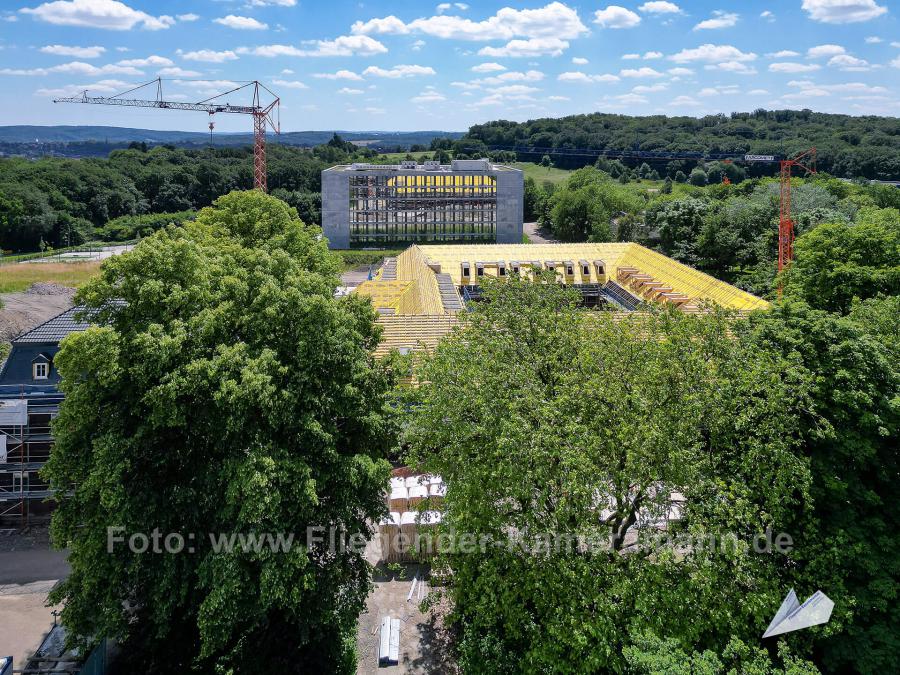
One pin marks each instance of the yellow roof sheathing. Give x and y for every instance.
(419, 332)
(412, 266)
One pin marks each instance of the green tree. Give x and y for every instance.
(837, 262)
(680, 177)
(698, 176)
(546, 162)
(225, 390)
(848, 544)
(547, 420)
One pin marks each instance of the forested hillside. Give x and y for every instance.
(68, 201)
(847, 146)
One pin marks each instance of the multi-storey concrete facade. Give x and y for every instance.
(466, 201)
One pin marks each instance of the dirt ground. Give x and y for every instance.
(24, 311)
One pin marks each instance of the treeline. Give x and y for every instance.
(847, 146)
(729, 231)
(57, 202)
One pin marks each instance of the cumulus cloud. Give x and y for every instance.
(339, 75)
(75, 68)
(767, 15)
(683, 101)
(553, 20)
(345, 45)
(680, 72)
(153, 60)
(544, 46)
(76, 52)
(584, 77)
(290, 84)
(487, 68)
(791, 67)
(102, 14)
(719, 19)
(737, 67)
(241, 22)
(640, 72)
(187, 18)
(349, 91)
(660, 8)
(429, 95)
(824, 50)
(783, 54)
(579, 60)
(849, 63)
(843, 11)
(175, 71)
(616, 17)
(208, 55)
(712, 54)
(399, 71)
(873, 40)
(101, 87)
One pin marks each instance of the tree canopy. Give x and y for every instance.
(548, 420)
(223, 391)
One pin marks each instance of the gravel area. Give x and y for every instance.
(23, 311)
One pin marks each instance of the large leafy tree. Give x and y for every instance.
(224, 391)
(848, 543)
(548, 420)
(837, 262)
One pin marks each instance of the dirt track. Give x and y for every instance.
(24, 311)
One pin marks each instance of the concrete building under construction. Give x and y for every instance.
(466, 201)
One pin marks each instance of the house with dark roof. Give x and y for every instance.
(29, 400)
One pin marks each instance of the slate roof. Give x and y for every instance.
(55, 329)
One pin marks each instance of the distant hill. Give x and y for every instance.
(80, 134)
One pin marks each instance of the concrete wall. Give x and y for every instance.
(336, 208)
(510, 206)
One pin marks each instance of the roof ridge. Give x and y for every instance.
(52, 318)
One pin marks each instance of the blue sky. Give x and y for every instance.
(404, 65)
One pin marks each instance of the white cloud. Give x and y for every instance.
(103, 14)
(843, 11)
(579, 60)
(548, 46)
(241, 22)
(895, 44)
(447, 6)
(767, 15)
(737, 67)
(585, 78)
(399, 71)
(649, 88)
(660, 7)
(683, 101)
(791, 67)
(712, 54)
(417, 45)
(616, 17)
(824, 50)
(558, 98)
(77, 52)
(428, 96)
(719, 19)
(630, 99)
(374, 111)
(76, 68)
(553, 20)
(209, 56)
(783, 54)
(339, 75)
(290, 84)
(209, 86)
(896, 62)
(187, 18)
(513, 76)
(177, 72)
(680, 72)
(345, 45)
(653, 55)
(153, 60)
(487, 68)
(630, 57)
(275, 3)
(758, 92)
(873, 40)
(349, 91)
(640, 72)
(101, 87)
(849, 63)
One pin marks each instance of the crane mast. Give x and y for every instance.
(264, 116)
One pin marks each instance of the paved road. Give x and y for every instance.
(72, 256)
(25, 567)
(538, 235)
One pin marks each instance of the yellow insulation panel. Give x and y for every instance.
(698, 286)
(412, 266)
(413, 332)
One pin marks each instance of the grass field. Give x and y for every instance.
(542, 174)
(18, 277)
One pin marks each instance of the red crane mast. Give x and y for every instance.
(264, 116)
(807, 161)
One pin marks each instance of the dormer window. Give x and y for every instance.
(40, 370)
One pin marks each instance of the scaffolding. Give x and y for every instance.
(26, 413)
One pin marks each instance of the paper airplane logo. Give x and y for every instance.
(794, 616)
